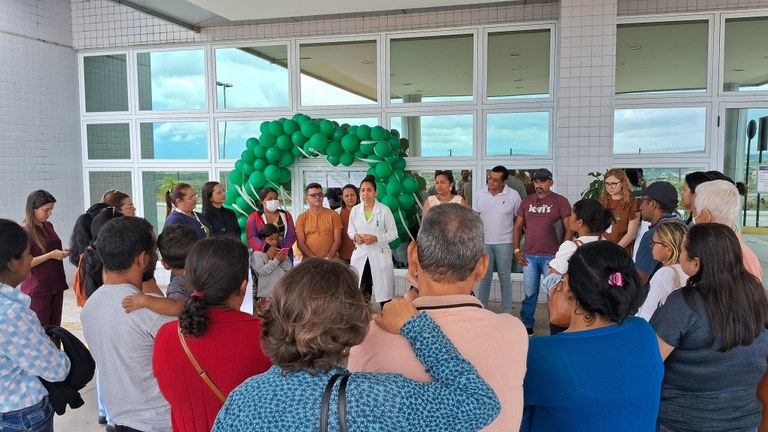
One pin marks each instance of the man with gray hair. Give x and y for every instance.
(448, 258)
(718, 201)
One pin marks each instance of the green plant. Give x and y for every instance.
(167, 184)
(595, 186)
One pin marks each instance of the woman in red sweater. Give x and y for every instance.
(222, 340)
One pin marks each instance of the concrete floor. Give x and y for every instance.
(85, 418)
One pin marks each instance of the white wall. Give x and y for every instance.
(39, 112)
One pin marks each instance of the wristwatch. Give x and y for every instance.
(517, 250)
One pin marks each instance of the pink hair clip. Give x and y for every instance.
(198, 294)
(615, 279)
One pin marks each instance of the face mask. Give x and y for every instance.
(272, 205)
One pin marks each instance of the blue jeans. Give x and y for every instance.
(36, 418)
(499, 259)
(100, 400)
(532, 273)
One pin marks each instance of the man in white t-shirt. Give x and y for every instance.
(497, 204)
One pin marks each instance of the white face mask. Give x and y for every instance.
(272, 205)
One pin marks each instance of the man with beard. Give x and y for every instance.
(122, 343)
(537, 216)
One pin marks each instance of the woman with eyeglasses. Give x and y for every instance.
(713, 339)
(221, 220)
(665, 246)
(181, 201)
(617, 196)
(445, 191)
(121, 201)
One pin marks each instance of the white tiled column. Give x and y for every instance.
(584, 132)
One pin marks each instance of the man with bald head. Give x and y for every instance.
(448, 258)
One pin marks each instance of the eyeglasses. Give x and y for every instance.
(191, 198)
(653, 243)
(316, 195)
(611, 184)
(495, 179)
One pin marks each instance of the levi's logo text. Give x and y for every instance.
(541, 208)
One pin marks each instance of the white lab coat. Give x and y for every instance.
(382, 225)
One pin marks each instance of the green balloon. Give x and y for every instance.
(267, 140)
(364, 132)
(382, 148)
(375, 159)
(296, 152)
(381, 190)
(391, 202)
(287, 159)
(378, 133)
(274, 154)
(395, 133)
(346, 159)
(410, 185)
(334, 160)
(394, 142)
(257, 180)
(238, 165)
(251, 143)
(308, 148)
(399, 164)
(247, 156)
(285, 175)
(326, 128)
(350, 142)
(338, 134)
(242, 203)
(404, 237)
(276, 128)
(260, 164)
(371, 171)
(290, 126)
(394, 244)
(334, 149)
(404, 144)
(260, 152)
(284, 142)
(236, 177)
(243, 235)
(383, 170)
(353, 131)
(406, 201)
(272, 173)
(367, 147)
(318, 142)
(301, 118)
(264, 127)
(309, 128)
(358, 154)
(298, 138)
(394, 188)
(242, 220)
(396, 174)
(422, 183)
(232, 195)
(247, 169)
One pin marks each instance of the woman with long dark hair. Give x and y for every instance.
(221, 220)
(604, 372)
(350, 197)
(712, 336)
(26, 352)
(688, 194)
(445, 191)
(222, 340)
(271, 213)
(46, 282)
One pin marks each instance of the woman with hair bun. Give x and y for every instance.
(372, 227)
(713, 339)
(221, 339)
(604, 372)
(180, 202)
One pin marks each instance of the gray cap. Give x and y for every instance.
(542, 174)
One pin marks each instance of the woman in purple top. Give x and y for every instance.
(46, 281)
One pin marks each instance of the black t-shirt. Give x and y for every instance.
(705, 389)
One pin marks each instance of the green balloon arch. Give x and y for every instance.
(266, 159)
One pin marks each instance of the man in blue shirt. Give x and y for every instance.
(657, 205)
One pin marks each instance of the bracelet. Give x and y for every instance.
(517, 250)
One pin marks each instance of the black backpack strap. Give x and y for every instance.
(342, 402)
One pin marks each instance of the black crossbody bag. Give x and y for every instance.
(342, 402)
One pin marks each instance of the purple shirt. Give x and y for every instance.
(46, 278)
(540, 215)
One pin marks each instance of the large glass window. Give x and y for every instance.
(746, 55)
(102, 181)
(517, 134)
(660, 130)
(414, 77)
(252, 77)
(661, 57)
(174, 140)
(338, 73)
(108, 141)
(518, 64)
(106, 83)
(332, 182)
(233, 136)
(744, 157)
(156, 183)
(172, 80)
(436, 136)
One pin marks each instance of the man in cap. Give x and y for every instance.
(537, 216)
(657, 205)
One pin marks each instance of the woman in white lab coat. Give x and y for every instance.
(371, 228)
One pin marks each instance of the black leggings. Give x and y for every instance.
(366, 284)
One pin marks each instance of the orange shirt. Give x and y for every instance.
(318, 229)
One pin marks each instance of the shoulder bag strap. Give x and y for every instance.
(577, 242)
(203, 374)
(342, 402)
